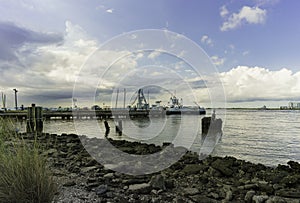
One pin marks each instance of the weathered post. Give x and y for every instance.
(30, 119)
(39, 119)
(119, 127)
(34, 119)
(205, 125)
(211, 125)
(107, 128)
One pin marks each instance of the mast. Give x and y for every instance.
(124, 98)
(140, 95)
(148, 100)
(117, 98)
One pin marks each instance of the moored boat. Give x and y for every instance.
(176, 107)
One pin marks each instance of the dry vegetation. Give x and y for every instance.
(24, 175)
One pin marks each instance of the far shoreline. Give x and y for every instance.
(253, 108)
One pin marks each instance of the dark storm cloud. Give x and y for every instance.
(62, 93)
(13, 37)
(198, 84)
(153, 89)
(104, 91)
(52, 95)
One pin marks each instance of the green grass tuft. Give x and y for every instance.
(24, 175)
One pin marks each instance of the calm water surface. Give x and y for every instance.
(268, 137)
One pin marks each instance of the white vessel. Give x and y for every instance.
(176, 107)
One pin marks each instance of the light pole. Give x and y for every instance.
(4, 100)
(16, 99)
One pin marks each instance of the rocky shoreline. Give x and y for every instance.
(81, 178)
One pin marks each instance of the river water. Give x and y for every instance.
(268, 137)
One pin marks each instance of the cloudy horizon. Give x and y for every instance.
(254, 46)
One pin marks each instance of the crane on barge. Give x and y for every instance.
(142, 103)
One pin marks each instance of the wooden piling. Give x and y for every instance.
(211, 125)
(205, 125)
(107, 128)
(34, 121)
(119, 127)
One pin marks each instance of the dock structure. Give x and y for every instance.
(85, 114)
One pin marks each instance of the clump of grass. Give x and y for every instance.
(6, 129)
(24, 176)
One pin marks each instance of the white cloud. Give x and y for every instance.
(104, 8)
(154, 54)
(245, 53)
(266, 2)
(255, 83)
(231, 46)
(47, 72)
(206, 40)
(110, 10)
(156, 73)
(68, 57)
(218, 61)
(100, 7)
(223, 11)
(251, 15)
(44, 64)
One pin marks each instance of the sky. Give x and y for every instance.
(54, 51)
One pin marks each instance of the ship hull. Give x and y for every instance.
(186, 111)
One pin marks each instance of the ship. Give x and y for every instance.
(176, 107)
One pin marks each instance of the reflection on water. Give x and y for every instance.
(141, 122)
(269, 137)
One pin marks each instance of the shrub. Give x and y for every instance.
(24, 176)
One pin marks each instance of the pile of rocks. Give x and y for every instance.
(82, 179)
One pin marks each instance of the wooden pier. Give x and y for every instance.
(85, 114)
